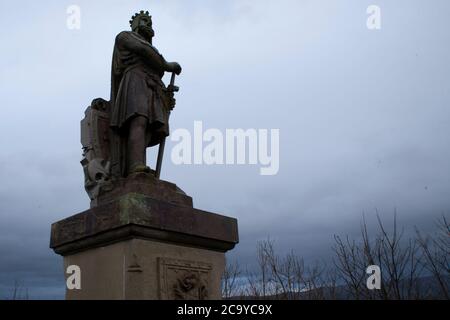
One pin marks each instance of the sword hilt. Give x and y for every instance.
(172, 87)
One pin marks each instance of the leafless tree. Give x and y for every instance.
(230, 279)
(404, 264)
(261, 252)
(349, 266)
(287, 277)
(436, 252)
(399, 260)
(19, 293)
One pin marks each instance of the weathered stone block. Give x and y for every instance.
(138, 247)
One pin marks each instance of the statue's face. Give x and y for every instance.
(145, 28)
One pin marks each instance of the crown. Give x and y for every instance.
(136, 17)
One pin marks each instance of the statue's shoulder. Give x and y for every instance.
(131, 37)
(125, 33)
(123, 36)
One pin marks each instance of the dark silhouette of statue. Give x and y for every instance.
(115, 134)
(140, 101)
(134, 215)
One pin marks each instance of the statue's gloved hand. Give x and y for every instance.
(170, 100)
(174, 67)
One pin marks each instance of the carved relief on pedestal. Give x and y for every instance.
(183, 280)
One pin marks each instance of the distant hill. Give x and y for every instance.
(426, 287)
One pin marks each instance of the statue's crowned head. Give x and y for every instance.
(142, 23)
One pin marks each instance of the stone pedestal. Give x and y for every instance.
(138, 244)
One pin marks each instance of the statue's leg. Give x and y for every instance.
(136, 149)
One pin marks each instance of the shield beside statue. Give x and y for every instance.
(95, 139)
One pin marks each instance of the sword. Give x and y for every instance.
(173, 88)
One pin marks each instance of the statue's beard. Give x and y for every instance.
(147, 33)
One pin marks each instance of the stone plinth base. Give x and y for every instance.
(145, 269)
(137, 247)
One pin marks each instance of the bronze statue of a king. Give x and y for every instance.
(115, 134)
(142, 237)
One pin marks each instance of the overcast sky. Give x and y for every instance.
(363, 116)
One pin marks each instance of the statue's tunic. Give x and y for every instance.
(137, 88)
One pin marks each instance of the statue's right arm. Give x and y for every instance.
(127, 41)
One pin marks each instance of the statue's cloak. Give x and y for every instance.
(136, 88)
